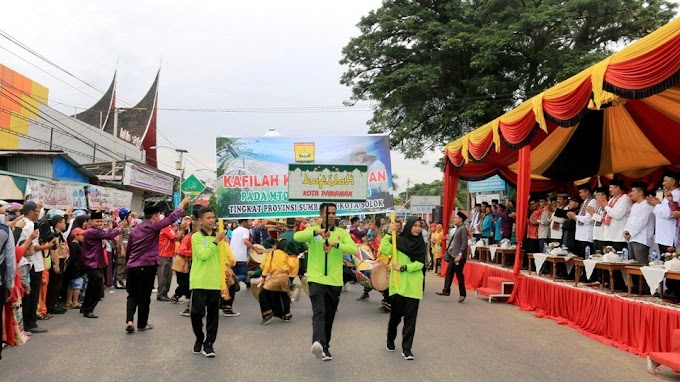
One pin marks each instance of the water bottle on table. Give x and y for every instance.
(624, 257)
(587, 256)
(653, 256)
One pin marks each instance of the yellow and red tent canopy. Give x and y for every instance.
(620, 116)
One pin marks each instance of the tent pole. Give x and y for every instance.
(523, 188)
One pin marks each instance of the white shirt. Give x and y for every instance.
(665, 223)
(544, 224)
(585, 223)
(557, 233)
(640, 223)
(598, 228)
(619, 213)
(475, 223)
(36, 260)
(238, 247)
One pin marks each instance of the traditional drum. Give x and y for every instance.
(373, 274)
(254, 258)
(255, 288)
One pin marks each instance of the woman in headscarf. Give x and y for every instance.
(274, 296)
(406, 281)
(436, 239)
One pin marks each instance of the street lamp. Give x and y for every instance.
(179, 165)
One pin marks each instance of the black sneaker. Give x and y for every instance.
(390, 346)
(186, 313)
(174, 299)
(326, 354)
(363, 297)
(208, 350)
(267, 320)
(198, 345)
(229, 312)
(407, 355)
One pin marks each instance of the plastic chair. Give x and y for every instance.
(669, 359)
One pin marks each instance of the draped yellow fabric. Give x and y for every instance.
(666, 103)
(567, 86)
(597, 78)
(537, 105)
(625, 147)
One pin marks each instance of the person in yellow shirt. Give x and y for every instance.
(274, 297)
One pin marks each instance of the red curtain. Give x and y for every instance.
(450, 190)
(476, 274)
(647, 70)
(632, 326)
(523, 186)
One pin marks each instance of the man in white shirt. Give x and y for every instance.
(240, 244)
(476, 222)
(556, 222)
(665, 223)
(596, 213)
(544, 222)
(584, 221)
(616, 214)
(639, 229)
(32, 212)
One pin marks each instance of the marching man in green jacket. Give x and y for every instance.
(327, 244)
(205, 282)
(406, 281)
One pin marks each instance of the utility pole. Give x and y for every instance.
(408, 184)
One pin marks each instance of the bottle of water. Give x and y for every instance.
(587, 253)
(625, 254)
(545, 248)
(654, 256)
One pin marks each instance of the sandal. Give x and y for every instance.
(148, 327)
(130, 328)
(44, 317)
(78, 306)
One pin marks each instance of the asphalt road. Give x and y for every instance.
(473, 341)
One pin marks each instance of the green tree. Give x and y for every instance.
(440, 68)
(437, 188)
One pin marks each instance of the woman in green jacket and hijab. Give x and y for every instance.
(406, 281)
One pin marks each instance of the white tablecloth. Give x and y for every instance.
(569, 263)
(472, 251)
(493, 252)
(653, 276)
(589, 265)
(539, 259)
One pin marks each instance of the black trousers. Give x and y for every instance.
(182, 285)
(403, 307)
(53, 290)
(95, 283)
(275, 304)
(325, 300)
(232, 296)
(202, 301)
(30, 302)
(139, 286)
(458, 270)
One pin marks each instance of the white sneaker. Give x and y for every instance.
(317, 350)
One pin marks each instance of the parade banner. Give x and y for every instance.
(253, 174)
(307, 182)
(108, 198)
(60, 195)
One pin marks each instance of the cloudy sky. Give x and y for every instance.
(256, 56)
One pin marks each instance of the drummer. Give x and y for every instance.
(274, 298)
(293, 249)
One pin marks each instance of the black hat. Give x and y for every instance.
(562, 195)
(602, 190)
(96, 215)
(462, 216)
(494, 200)
(641, 185)
(673, 175)
(54, 220)
(478, 205)
(28, 207)
(152, 210)
(290, 222)
(575, 198)
(585, 186)
(618, 183)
